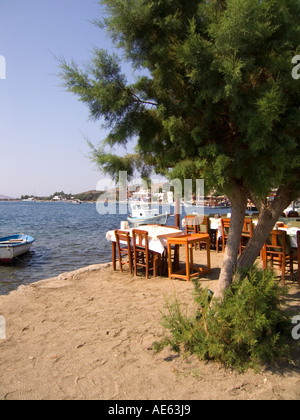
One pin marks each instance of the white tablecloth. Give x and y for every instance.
(292, 234)
(157, 236)
(215, 223)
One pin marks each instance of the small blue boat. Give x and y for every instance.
(14, 245)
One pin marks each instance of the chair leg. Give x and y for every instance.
(147, 266)
(155, 263)
(130, 264)
(283, 263)
(120, 263)
(135, 263)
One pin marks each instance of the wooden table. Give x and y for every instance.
(157, 236)
(188, 241)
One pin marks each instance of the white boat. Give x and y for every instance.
(74, 201)
(143, 214)
(14, 245)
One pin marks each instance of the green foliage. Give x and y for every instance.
(215, 88)
(245, 330)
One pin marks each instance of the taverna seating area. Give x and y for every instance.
(185, 253)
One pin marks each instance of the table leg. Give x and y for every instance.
(187, 262)
(192, 256)
(208, 254)
(169, 256)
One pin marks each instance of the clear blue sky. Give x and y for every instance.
(42, 127)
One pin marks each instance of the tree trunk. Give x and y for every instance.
(238, 208)
(268, 216)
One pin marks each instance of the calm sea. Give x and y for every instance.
(67, 237)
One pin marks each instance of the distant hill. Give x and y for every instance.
(90, 192)
(4, 197)
(91, 195)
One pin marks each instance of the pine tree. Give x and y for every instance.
(217, 100)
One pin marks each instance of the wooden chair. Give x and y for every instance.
(225, 225)
(195, 224)
(203, 227)
(191, 224)
(142, 256)
(246, 233)
(278, 251)
(124, 249)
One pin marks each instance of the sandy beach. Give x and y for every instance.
(89, 334)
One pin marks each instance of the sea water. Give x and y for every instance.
(67, 237)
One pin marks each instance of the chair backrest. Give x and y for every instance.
(140, 240)
(248, 227)
(191, 222)
(204, 225)
(277, 242)
(122, 238)
(225, 224)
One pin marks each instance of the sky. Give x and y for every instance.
(43, 128)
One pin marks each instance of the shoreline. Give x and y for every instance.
(88, 334)
(62, 277)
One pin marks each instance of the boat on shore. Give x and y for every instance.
(13, 246)
(144, 214)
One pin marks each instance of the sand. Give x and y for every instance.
(88, 335)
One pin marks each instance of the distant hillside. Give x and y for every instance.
(4, 197)
(91, 195)
(90, 192)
